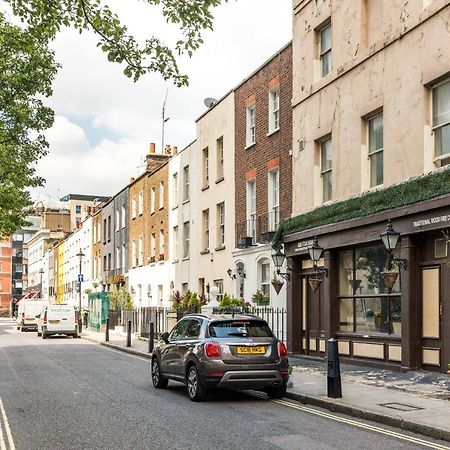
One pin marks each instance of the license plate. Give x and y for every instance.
(53, 321)
(250, 350)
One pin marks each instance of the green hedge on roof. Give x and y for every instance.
(407, 193)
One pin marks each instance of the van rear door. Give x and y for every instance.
(61, 318)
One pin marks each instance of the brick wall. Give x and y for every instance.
(268, 151)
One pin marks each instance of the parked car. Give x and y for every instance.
(221, 351)
(57, 319)
(26, 314)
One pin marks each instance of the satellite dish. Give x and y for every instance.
(209, 102)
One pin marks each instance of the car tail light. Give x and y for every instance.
(212, 350)
(45, 319)
(282, 350)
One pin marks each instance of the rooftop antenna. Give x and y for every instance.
(164, 120)
(210, 102)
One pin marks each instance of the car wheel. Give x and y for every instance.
(277, 392)
(44, 334)
(159, 382)
(75, 335)
(196, 391)
(39, 334)
(22, 328)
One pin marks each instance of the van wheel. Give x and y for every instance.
(75, 335)
(39, 334)
(44, 335)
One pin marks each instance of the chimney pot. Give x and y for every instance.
(175, 150)
(131, 179)
(152, 147)
(167, 149)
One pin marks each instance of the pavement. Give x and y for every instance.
(416, 401)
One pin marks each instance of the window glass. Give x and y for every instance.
(179, 331)
(326, 164)
(376, 150)
(346, 315)
(325, 50)
(240, 328)
(193, 330)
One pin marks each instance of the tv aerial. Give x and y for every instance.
(210, 102)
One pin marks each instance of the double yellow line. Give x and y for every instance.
(364, 426)
(5, 442)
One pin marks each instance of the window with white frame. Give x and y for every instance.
(123, 257)
(175, 189)
(274, 109)
(133, 207)
(205, 234)
(186, 183)
(265, 278)
(375, 130)
(161, 194)
(326, 167)
(221, 225)
(205, 167)
(94, 234)
(141, 202)
(161, 245)
(124, 216)
(175, 243)
(117, 258)
(134, 261)
(325, 50)
(219, 158)
(117, 227)
(152, 200)
(441, 123)
(219, 285)
(141, 250)
(274, 199)
(251, 209)
(251, 125)
(186, 238)
(153, 247)
(99, 231)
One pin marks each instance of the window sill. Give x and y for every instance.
(250, 145)
(219, 180)
(185, 201)
(161, 208)
(174, 207)
(273, 132)
(186, 258)
(205, 187)
(372, 335)
(204, 252)
(174, 261)
(221, 247)
(152, 212)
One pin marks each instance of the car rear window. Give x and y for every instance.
(240, 328)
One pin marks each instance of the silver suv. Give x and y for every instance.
(221, 351)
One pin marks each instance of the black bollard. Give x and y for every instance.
(151, 337)
(334, 389)
(107, 330)
(129, 334)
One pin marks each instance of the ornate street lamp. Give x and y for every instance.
(278, 259)
(80, 277)
(41, 272)
(319, 273)
(390, 239)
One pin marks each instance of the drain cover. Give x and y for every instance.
(401, 406)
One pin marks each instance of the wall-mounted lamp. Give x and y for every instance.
(278, 259)
(319, 273)
(390, 239)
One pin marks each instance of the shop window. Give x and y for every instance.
(365, 303)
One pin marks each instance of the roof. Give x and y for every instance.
(224, 316)
(87, 198)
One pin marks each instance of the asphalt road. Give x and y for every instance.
(65, 393)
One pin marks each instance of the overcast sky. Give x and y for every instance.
(105, 122)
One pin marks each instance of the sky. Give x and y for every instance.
(104, 122)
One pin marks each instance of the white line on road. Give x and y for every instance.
(7, 428)
(2, 439)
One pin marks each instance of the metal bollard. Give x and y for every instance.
(107, 330)
(334, 389)
(151, 337)
(129, 334)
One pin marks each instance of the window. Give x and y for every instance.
(133, 207)
(118, 258)
(251, 131)
(205, 234)
(18, 237)
(94, 234)
(161, 245)
(175, 243)
(219, 284)
(18, 268)
(134, 261)
(205, 167)
(141, 250)
(375, 125)
(109, 227)
(365, 302)
(325, 50)
(186, 183)
(265, 278)
(186, 240)
(104, 231)
(99, 231)
(219, 158)
(160, 294)
(161, 194)
(109, 261)
(77, 209)
(117, 220)
(152, 247)
(274, 200)
(175, 189)
(152, 200)
(441, 123)
(141, 202)
(123, 257)
(221, 225)
(274, 110)
(326, 164)
(251, 209)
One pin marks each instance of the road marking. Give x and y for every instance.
(123, 353)
(2, 439)
(7, 428)
(355, 423)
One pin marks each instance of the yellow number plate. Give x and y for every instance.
(250, 350)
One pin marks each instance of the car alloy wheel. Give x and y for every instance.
(159, 382)
(192, 383)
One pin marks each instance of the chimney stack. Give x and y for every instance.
(167, 149)
(152, 147)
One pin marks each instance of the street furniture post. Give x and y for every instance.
(334, 389)
(151, 337)
(129, 333)
(107, 330)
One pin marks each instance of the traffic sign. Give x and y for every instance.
(80, 278)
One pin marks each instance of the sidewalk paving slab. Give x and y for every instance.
(387, 404)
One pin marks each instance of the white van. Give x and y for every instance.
(26, 313)
(57, 319)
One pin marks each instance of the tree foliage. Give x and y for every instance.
(27, 69)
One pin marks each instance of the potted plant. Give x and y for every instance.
(260, 298)
(277, 283)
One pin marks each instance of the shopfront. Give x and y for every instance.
(397, 318)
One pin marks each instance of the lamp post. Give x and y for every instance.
(41, 272)
(80, 277)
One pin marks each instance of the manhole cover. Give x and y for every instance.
(401, 406)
